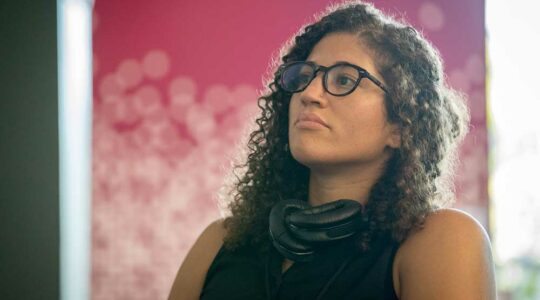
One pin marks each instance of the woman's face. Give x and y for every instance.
(357, 133)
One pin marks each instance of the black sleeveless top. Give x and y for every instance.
(338, 272)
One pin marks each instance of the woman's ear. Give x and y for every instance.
(394, 139)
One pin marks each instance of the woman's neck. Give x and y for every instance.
(351, 184)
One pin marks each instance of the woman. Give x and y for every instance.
(357, 110)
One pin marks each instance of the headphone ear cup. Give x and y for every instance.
(285, 243)
(297, 229)
(328, 222)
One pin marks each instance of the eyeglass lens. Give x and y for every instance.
(339, 79)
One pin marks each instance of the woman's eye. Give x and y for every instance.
(344, 81)
(303, 78)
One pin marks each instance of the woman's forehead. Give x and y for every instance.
(338, 47)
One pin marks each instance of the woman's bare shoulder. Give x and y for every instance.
(449, 221)
(450, 256)
(214, 233)
(190, 277)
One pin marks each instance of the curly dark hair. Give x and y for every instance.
(417, 179)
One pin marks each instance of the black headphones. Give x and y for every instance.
(297, 229)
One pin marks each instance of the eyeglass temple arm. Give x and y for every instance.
(377, 82)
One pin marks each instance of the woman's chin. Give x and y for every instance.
(312, 159)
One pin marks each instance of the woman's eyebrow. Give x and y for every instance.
(332, 64)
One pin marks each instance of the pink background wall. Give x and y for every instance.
(175, 82)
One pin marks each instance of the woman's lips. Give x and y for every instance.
(310, 125)
(311, 121)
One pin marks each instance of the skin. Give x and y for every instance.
(449, 258)
(347, 157)
(189, 280)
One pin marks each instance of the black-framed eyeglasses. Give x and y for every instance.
(339, 80)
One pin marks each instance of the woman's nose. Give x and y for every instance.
(315, 92)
